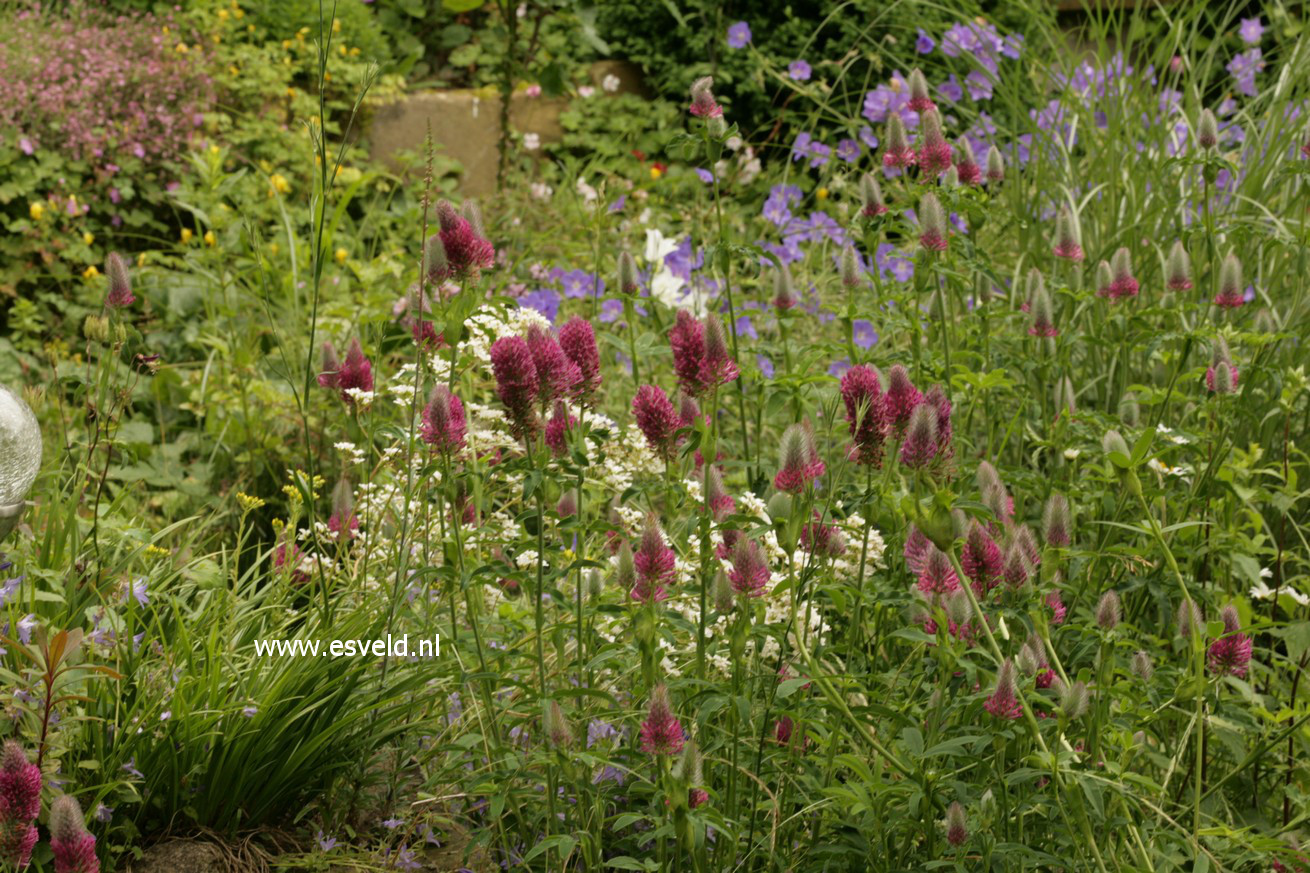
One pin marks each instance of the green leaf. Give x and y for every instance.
(460, 5)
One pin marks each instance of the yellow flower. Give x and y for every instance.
(241, 13)
(286, 43)
(36, 210)
(341, 49)
(233, 70)
(656, 172)
(292, 493)
(336, 25)
(155, 551)
(273, 248)
(327, 77)
(141, 260)
(214, 149)
(186, 235)
(210, 239)
(180, 48)
(821, 193)
(90, 272)
(354, 52)
(223, 14)
(88, 237)
(279, 183)
(341, 255)
(248, 503)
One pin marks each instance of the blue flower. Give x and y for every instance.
(1244, 67)
(863, 333)
(9, 588)
(617, 205)
(392, 823)
(950, 89)
(325, 844)
(139, 590)
(25, 625)
(598, 730)
(925, 43)
(848, 150)
(765, 365)
(979, 84)
(739, 35)
(705, 175)
(745, 327)
(868, 138)
(544, 301)
(838, 368)
(799, 70)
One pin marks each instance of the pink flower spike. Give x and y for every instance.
(578, 340)
(1004, 701)
(657, 420)
(516, 384)
(661, 732)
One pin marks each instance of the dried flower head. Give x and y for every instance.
(628, 282)
(1108, 610)
(1057, 528)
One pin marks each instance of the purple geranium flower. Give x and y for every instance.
(925, 43)
(863, 333)
(848, 150)
(1251, 30)
(799, 70)
(765, 365)
(1244, 67)
(739, 35)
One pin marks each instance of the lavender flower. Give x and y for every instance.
(739, 35)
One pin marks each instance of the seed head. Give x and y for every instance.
(849, 267)
(957, 833)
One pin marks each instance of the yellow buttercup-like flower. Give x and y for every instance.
(90, 272)
(210, 239)
(36, 210)
(656, 172)
(821, 193)
(88, 237)
(279, 183)
(155, 551)
(341, 255)
(186, 235)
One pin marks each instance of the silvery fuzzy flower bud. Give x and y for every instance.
(595, 585)
(625, 571)
(871, 196)
(850, 267)
(1057, 525)
(995, 166)
(628, 283)
(951, 178)
(96, 328)
(435, 262)
(1264, 322)
(932, 223)
(724, 596)
(1065, 397)
(784, 289)
(1178, 268)
(1074, 700)
(1030, 657)
(1142, 666)
(1130, 412)
(1104, 278)
(1223, 378)
(1190, 618)
(920, 98)
(473, 215)
(1109, 611)
(957, 832)
(1113, 441)
(1230, 277)
(717, 126)
(1068, 235)
(556, 726)
(987, 477)
(779, 507)
(1207, 130)
(958, 607)
(120, 284)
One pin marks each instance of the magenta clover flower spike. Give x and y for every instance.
(20, 804)
(865, 414)
(516, 384)
(921, 438)
(967, 165)
(356, 373)
(661, 732)
(443, 425)
(578, 340)
(901, 397)
(1230, 294)
(799, 460)
(1004, 701)
(655, 563)
(1178, 268)
(73, 846)
(920, 100)
(557, 376)
(934, 156)
(750, 571)
(557, 429)
(467, 253)
(981, 559)
(657, 420)
(1230, 655)
(703, 104)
